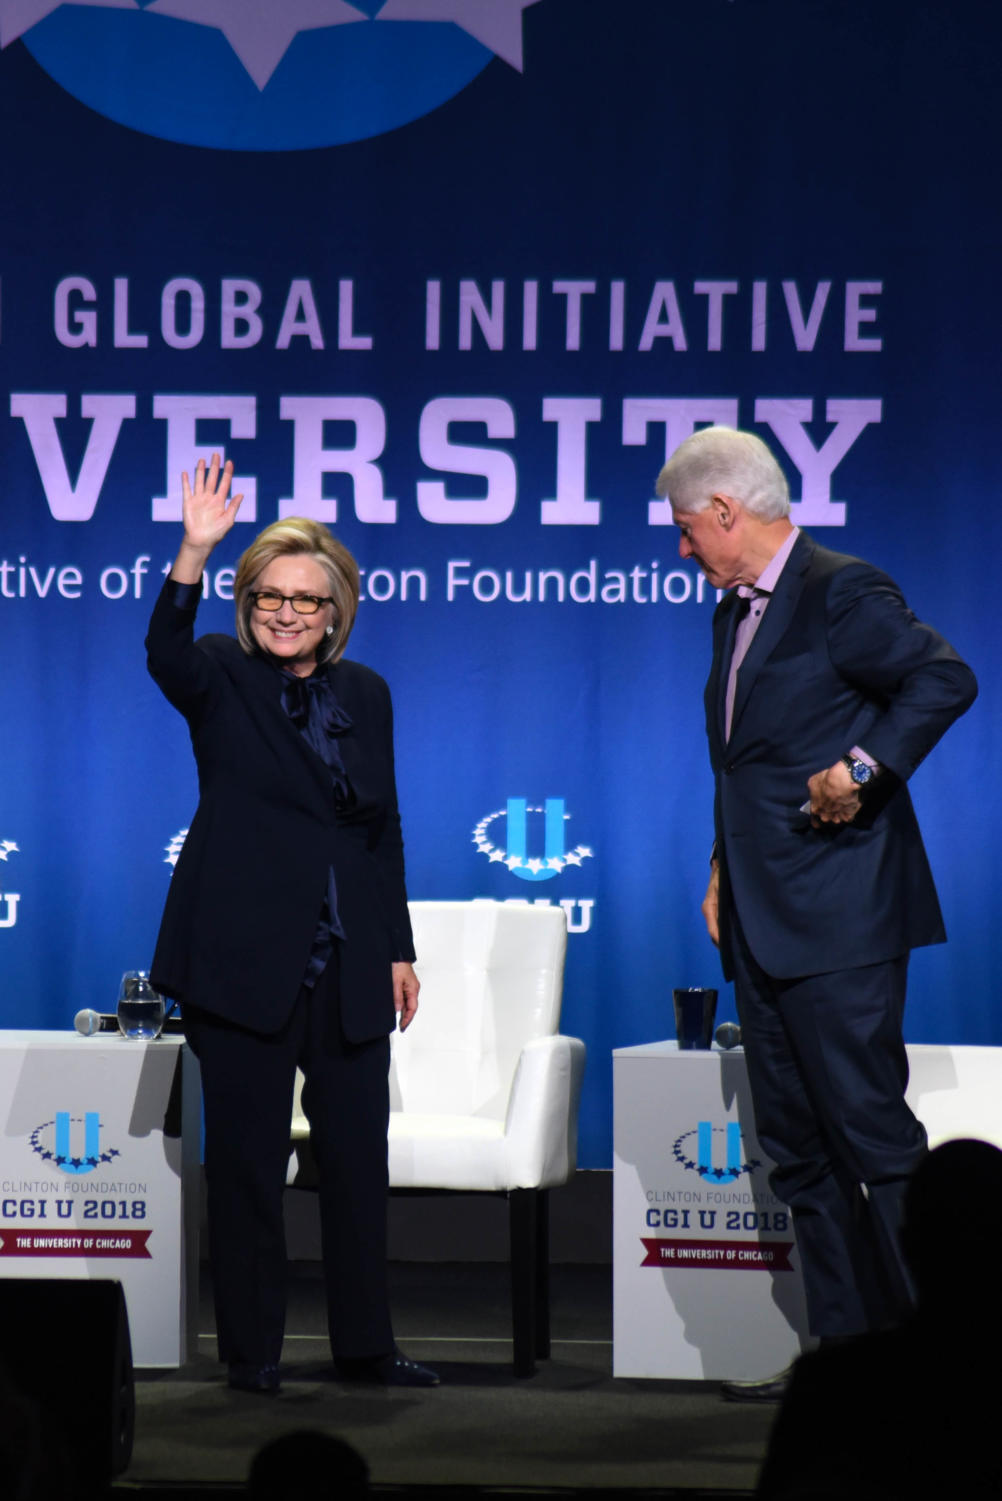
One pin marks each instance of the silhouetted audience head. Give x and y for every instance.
(953, 1221)
(33, 1461)
(909, 1413)
(307, 1465)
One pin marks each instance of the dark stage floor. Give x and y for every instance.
(569, 1427)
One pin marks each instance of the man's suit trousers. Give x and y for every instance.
(828, 1071)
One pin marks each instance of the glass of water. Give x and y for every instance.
(140, 1007)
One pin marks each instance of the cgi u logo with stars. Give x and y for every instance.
(555, 856)
(55, 1140)
(275, 75)
(703, 1162)
(10, 899)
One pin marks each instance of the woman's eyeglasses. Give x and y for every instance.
(303, 604)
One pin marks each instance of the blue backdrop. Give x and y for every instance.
(456, 286)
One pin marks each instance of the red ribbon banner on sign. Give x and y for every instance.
(75, 1243)
(719, 1255)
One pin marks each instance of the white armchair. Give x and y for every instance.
(484, 1093)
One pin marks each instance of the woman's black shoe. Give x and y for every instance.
(263, 1379)
(388, 1370)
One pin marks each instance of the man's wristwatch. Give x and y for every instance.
(861, 773)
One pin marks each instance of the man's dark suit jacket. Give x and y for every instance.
(249, 885)
(838, 661)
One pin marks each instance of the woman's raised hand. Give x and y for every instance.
(207, 514)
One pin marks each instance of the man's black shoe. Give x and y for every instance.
(768, 1389)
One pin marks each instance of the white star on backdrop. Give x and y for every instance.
(19, 16)
(8, 847)
(496, 24)
(260, 31)
(555, 863)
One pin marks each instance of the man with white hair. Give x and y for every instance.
(824, 695)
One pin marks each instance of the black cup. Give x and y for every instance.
(695, 1010)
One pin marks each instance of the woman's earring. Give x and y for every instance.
(329, 631)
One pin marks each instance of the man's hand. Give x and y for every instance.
(405, 993)
(834, 796)
(711, 904)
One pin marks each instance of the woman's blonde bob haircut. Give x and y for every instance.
(300, 535)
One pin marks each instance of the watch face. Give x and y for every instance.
(860, 772)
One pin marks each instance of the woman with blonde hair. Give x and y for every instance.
(285, 935)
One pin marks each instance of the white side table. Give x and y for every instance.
(706, 1277)
(99, 1174)
(706, 1281)
(956, 1091)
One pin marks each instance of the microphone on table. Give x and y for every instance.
(727, 1035)
(89, 1023)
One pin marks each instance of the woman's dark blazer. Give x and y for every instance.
(249, 885)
